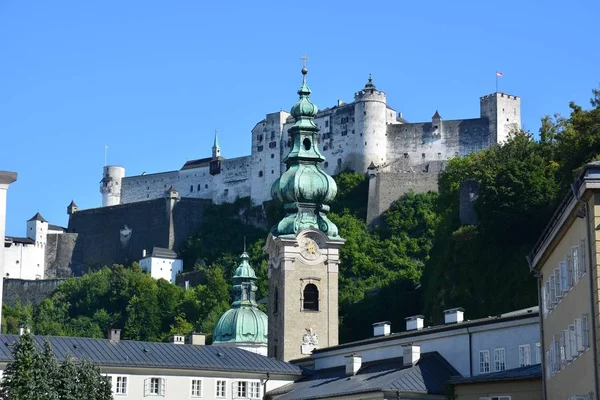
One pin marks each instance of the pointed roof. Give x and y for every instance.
(372, 166)
(216, 142)
(37, 217)
(72, 204)
(370, 85)
(436, 115)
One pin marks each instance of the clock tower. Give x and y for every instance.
(303, 247)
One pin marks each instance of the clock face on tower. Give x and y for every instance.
(310, 249)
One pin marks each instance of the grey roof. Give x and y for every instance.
(15, 239)
(56, 228)
(515, 315)
(37, 217)
(428, 375)
(529, 372)
(161, 252)
(130, 353)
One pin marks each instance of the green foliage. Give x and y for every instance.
(146, 309)
(36, 375)
(352, 194)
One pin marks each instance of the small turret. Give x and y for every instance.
(216, 150)
(72, 208)
(436, 124)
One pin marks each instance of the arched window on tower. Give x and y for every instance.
(311, 298)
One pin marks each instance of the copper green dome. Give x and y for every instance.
(304, 188)
(244, 322)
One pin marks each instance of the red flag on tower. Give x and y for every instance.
(498, 73)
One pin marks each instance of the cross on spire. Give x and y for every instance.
(304, 60)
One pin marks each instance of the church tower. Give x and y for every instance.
(303, 247)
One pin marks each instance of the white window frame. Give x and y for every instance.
(578, 336)
(561, 354)
(581, 258)
(585, 331)
(575, 261)
(499, 361)
(552, 287)
(485, 361)
(154, 386)
(524, 355)
(240, 390)
(564, 277)
(557, 280)
(254, 390)
(572, 347)
(196, 388)
(538, 353)
(221, 389)
(121, 385)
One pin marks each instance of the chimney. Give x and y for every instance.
(340, 102)
(114, 335)
(454, 315)
(177, 339)
(410, 354)
(381, 328)
(353, 363)
(414, 323)
(144, 253)
(196, 339)
(23, 329)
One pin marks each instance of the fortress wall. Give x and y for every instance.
(387, 187)
(25, 291)
(195, 183)
(234, 180)
(59, 253)
(147, 187)
(118, 234)
(188, 214)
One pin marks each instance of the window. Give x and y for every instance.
(311, 298)
(259, 148)
(552, 288)
(557, 290)
(241, 389)
(563, 350)
(581, 258)
(121, 385)
(538, 353)
(221, 389)
(585, 332)
(326, 123)
(254, 390)
(345, 132)
(260, 174)
(272, 145)
(196, 388)
(564, 277)
(575, 262)
(484, 361)
(499, 360)
(191, 188)
(272, 155)
(524, 355)
(154, 385)
(344, 120)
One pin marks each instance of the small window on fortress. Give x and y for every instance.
(191, 188)
(260, 174)
(198, 189)
(326, 164)
(423, 155)
(206, 186)
(405, 155)
(364, 113)
(272, 172)
(326, 124)
(344, 132)
(272, 145)
(272, 155)
(259, 148)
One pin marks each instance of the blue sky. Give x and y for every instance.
(153, 79)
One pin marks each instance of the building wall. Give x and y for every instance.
(453, 345)
(24, 261)
(162, 268)
(59, 254)
(577, 377)
(517, 390)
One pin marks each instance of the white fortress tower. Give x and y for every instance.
(504, 113)
(110, 185)
(370, 122)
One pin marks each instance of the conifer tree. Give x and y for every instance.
(18, 382)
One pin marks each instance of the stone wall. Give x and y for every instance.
(26, 291)
(387, 187)
(469, 192)
(59, 253)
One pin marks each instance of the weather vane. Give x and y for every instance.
(304, 60)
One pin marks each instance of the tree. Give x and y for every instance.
(37, 375)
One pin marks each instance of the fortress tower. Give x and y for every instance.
(370, 123)
(504, 113)
(110, 185)
(303, 247)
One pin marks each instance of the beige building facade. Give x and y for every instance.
(565, 261)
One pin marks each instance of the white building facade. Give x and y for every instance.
(472, 347)
(162, 264)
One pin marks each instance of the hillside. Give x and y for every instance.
(419, 259)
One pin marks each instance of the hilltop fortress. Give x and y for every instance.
(367, 136)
